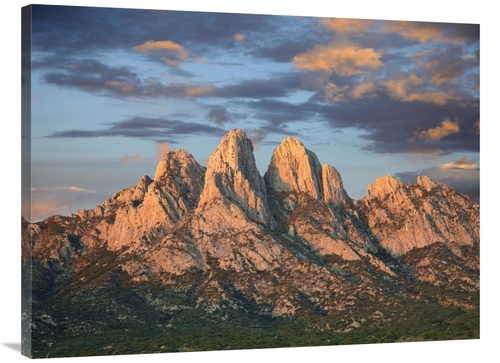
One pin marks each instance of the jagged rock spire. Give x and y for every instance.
(382, 186)
(293, 167)
(232, 176)
(333, 188)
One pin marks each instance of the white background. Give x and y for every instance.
(482, 12)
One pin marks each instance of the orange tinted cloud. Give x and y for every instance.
(180, 53)
(71, 188)
(403, 89)
(239, 37)
(334, 93)
(463, 163)
(476, 127)
(132, 159)
(446, 128)
(120, 85)
(346, 25)
(199, 91)
(42, 210)
(362, 90)
(344, 60)
(76, 189)
(162, 45)
(163, 148)
(441, 69)
(423, 32)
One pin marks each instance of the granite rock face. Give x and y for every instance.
(293, 230)
(333, 187)
(407, 216)
(294, 168)
(232, 177)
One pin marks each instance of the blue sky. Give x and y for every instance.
(112, 89)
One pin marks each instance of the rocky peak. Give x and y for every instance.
(333, 188)
(232, 176)
(425, 182)
(293, 167)
(382, 186)
(405, 217)
(141, 188)
(178, 164)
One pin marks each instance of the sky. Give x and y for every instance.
(113, 89)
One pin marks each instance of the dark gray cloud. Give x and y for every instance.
(388, 124)
(391, 125)
(278, 86)
(70, 31)
(93, 76)
(284, 51)
(220, 115)
(68, 41)
(157, 129)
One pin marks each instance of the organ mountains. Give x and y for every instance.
(222, 257)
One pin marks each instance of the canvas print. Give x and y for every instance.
(198, 181)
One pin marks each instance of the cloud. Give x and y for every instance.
(76, 189)
(362, 90)
(279, 85)
(132, 159)
(284, 50)
(446, 128)
(463, 175)
(122, 86)
(177, 53)
(446, 65)
(42, 210)
(220, 115)
(340, 25)
(422, 32)
(145, 128)
(162, 45)
(463, 163)
(81, 31)
(386, 125)
(476, 127)
(238, 37)
(342, 59)
(429, 32)
(406, 89)
(334, 93)
(163, 148)
(257, 136)
(65, 188)
(93, 76)
(48, 201)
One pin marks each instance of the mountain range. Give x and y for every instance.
(222, 257)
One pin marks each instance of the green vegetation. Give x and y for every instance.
(129, 319)
(433, 323)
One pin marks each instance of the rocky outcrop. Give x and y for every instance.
(408, 216)
(294, 168)
(228, 217)
(223, 244)
(232, 179)
(159, 203)
(333, 188)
